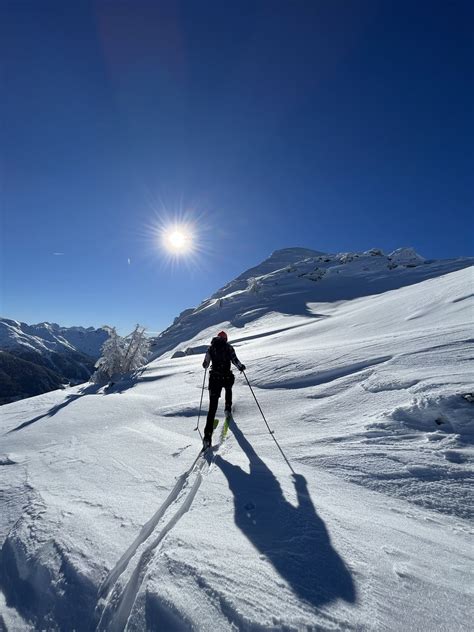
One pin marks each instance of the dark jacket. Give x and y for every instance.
(221, 354)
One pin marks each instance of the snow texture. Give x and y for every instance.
(111, 519)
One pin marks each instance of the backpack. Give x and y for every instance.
(220, 356)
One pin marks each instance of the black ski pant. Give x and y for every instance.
(216, 383)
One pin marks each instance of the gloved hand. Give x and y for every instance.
(204, 365)
(242, 368)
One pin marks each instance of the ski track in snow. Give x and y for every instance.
(120, 603)
(146, 531)
(119, 599)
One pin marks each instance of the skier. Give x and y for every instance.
(220, 354)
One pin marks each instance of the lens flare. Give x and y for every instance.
(179, 234)
(178, 240)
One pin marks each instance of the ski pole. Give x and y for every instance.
(200, 403)
(272, 432)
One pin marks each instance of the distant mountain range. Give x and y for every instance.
(38, 358)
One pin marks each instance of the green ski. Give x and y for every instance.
(225, 428)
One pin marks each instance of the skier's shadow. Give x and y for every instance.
(294, 540)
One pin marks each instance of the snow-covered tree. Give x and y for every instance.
(111, 361)
(122, 355)
(138, 350)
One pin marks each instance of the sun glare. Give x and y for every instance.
(178, 235)
(178, 240)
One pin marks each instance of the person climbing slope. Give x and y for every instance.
(220, 354)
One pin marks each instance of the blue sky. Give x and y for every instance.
(331, 125)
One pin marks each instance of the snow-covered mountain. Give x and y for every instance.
(50, 337)
(38, 358)
(111, 520)
(293, 278)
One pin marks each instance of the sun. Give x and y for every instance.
(178, 235)
(178, 240)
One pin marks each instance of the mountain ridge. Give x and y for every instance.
(61, 355)
(290, 278)
(52, 337)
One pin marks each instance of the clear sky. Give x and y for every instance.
(334, 125)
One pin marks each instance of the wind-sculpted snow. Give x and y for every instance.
(437, 475)
(106, 521)
(40, 576)
(307, 375)
(14, 493)
(445, 413)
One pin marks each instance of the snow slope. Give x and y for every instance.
(293, 277)
(110, 519)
